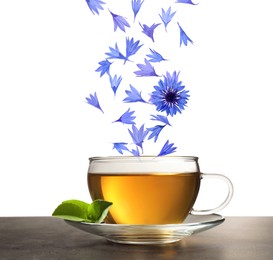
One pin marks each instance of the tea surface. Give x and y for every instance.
(146, 198)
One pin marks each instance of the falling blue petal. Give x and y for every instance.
(155, 56)
(183, 37)
(115, 53)
(166, 16)
(149, 30)
(138, 135)
(185, 2)
(115, 82)
(93, 101)
(133, 95)
(136, 5)
(167, 149)
(127, 118)
(104, 67)
(146, 70)
(120, 147)
(131, 47)
(161, 118)
(155, 131)
(95, 5)
(135, 152)
(119, 22)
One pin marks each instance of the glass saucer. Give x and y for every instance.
(150, 234)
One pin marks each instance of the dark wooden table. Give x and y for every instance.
(52, 238)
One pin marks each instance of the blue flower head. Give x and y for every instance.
(170, 95)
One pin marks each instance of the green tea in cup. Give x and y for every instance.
(148, 190)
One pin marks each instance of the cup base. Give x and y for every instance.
(138, 239)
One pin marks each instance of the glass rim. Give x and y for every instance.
(145, 157)
(144, 164)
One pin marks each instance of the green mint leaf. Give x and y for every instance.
(70, 211)
(80, 211)
(78, 203)
(98, 210)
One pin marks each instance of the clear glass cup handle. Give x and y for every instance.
(224, 203)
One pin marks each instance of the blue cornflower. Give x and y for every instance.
(149, 30)
(131, 47)
(185, 2)
(170, 95)
(93, 101)
(115, 82)
(136, 5)
(155, 56)
(133, 95)
(115, 53)
(127, 118)
(167, 149)
(120, 147)
(119, 22)
(160, 118)
(146, 70)
(138, 135)
(166, 17)
(104, 67)
(155, 131)
(184, 37)
(95, 5)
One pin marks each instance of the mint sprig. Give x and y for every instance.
(80, 211)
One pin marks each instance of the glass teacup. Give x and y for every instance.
(149, 190)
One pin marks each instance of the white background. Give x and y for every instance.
(48, 132)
